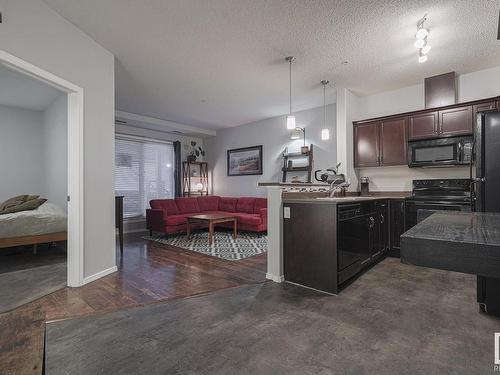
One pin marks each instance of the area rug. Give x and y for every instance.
(395, 319)
(20, 287)
(245, 245)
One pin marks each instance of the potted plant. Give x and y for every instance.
(195, 152)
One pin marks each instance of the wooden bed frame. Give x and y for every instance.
(33, 240)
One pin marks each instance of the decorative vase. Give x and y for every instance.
(191, 158)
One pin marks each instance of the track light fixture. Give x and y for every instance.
(421, 40)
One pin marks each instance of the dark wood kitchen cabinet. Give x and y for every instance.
(366, 145)
(380, 230)
(423, 125)
(380, 143)
(393, 141)
(397, 226)
(455, 121)
(483, 107)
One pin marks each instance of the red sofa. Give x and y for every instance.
(170, 215)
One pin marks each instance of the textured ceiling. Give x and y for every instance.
(220, 63)
(18, 90)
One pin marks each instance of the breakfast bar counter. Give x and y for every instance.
(467, 242)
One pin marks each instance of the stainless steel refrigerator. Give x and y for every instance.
(486, 192)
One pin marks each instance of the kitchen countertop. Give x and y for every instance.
(337, 200)
(466, 242)
(466, 227)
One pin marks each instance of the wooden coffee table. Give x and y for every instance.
(211, 220)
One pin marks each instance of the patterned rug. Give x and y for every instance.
(247, 244)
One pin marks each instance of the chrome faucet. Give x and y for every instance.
(336, 187)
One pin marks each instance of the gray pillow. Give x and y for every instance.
(14, 201)
(26, 206)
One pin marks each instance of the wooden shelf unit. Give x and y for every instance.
(298, 155)
(193, 174)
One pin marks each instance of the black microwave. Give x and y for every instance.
(440, 152)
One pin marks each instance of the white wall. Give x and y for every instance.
(21, 152)
(37, 34)
(472, 86)
(273, 135)
(55, 152)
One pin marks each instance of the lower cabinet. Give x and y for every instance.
(397, 225)
(327, 244)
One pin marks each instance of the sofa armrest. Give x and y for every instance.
(155, 219)
(263, 215)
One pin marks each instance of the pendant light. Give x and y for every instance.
(325, 132)
(290, 119)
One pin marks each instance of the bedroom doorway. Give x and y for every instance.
(71, 190)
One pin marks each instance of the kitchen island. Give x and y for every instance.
(467, 242)
(277, 192)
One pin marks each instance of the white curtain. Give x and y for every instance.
(144, 170)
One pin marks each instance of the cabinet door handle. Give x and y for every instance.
(372, 222)
(382, 219)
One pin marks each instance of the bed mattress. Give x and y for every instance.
(48, 218)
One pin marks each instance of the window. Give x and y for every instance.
(144, 170)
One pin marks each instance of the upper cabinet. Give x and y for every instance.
(380, 143)
(445, 123)
(486, 106)
(393, 141)
(366, 151)
(423, 125)
(455, 121)
(384, 141)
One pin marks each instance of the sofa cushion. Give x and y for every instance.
(259, 203)
(176, 219)
(249, 219)
(245, 205)
(187, 205)
(228, 204)
(210, 203)
(165, 204)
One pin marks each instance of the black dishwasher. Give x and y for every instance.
(353, 238)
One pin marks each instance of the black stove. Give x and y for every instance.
(429, 196)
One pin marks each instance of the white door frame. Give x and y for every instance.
(75, 159)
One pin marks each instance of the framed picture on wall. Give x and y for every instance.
(244, 161)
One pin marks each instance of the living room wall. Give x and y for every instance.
(35, 33)
(273, 135)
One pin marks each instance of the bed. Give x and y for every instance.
(46, 224)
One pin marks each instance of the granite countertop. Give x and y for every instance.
(337, 200)
(475, 228)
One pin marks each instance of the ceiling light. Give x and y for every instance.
(425, 49)
(420, 43)
(421, 33)
(290, 119)
(325, 132)
(422, 58)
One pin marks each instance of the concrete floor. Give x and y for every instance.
(20, 287)
(395, 319)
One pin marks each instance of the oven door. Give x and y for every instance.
(416, 211)
(435, 152)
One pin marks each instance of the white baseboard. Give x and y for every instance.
(98, 275)
(276, 279)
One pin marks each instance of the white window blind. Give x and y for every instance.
(144, 170)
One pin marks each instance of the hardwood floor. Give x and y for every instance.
(148, 273)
